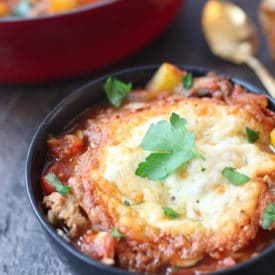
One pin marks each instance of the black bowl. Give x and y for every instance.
(60, 119)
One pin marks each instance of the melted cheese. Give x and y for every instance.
(215, 216)
(205, 200)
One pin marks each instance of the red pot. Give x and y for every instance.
(55, 46)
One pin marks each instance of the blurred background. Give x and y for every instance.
(24, 248)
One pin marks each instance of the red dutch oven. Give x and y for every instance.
(62, 45)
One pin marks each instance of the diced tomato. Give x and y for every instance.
(63, 173)
(100, 246)
(64, 148)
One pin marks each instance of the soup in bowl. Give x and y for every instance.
(172, 176)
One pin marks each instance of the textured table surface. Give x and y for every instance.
(24, 249)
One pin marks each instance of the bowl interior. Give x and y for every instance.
(63, 116)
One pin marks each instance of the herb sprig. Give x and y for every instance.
(187, 81)
(235, 177)
(269, 215)
(22, 9)
(170, 212)
(252, 135)
(54, 181)
(115, 233)
(173, 146)
(116, 90)
(127, 203)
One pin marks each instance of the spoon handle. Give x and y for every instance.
(263, 74)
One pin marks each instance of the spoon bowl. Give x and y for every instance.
(232, 36)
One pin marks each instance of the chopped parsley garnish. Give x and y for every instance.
(127, 203)
(203, 169)
(174, 269)
(54, 181)
(116, 90)
(170, 213)
(252, 136)
(116, 234)
(22, 8)
(235, 177)
(269, 215)
(187, 81)
(173, 144)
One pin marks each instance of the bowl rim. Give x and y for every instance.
(86, 7)
(58, 108)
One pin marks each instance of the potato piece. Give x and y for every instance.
(4, 9)
(62, 5)
(167, 78)
(272, 137)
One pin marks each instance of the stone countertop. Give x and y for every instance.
(24, 248)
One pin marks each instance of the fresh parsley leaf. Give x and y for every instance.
(187, 81)
(235, 177)
(116, 90)
(127, 203)
(174, 269)
(252, 136)
(22, 8)
(170, 213)
(174, 146)
(54, 181)
(116, 234)
(269, 215)
(203, 169)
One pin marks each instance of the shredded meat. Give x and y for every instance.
(220, 88)
(67, 210)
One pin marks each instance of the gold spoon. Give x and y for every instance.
(231, 35)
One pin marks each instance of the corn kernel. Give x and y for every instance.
(272, 137)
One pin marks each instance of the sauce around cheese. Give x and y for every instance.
(168, 182)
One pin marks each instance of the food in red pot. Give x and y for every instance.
(59, 45)
(24, 8)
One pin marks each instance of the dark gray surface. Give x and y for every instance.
(24, 249)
